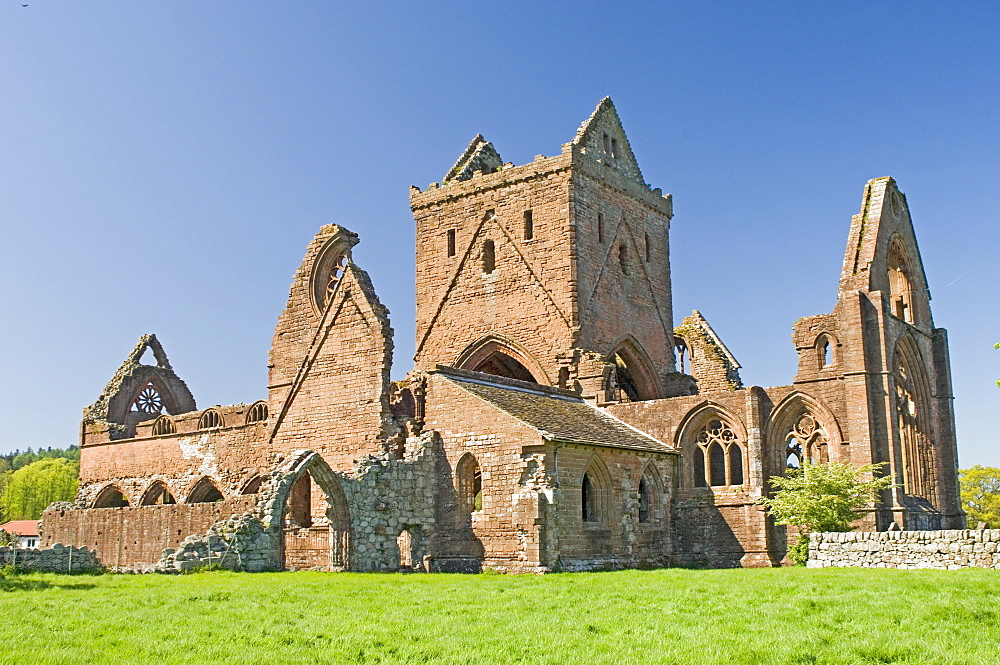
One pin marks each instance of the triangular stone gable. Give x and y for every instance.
(113, 405)
(479, 156)
(884, 216)
(602, 137)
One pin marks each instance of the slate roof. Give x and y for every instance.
(556, 415)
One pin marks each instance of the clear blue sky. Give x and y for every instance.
(163, 165)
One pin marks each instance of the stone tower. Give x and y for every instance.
(555, 272)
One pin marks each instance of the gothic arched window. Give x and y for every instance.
(806, 441)
(717, 443)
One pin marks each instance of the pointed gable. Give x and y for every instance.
(479, 156)
(882, 248)
(602, 137)
(140, 392)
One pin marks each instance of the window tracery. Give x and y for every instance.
(328, 278)
(718, 444)
(918, 452)
(163, 425)
(806, 441)
(257, 413)
(148, 400)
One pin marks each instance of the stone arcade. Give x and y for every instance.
(555, 419)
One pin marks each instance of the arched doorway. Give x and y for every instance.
(315, 519)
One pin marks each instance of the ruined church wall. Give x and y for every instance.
(230, 456)
(458, 303)
(135, 536)
(329, 377)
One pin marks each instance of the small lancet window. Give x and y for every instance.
(614, 148)
(600, 227)
(648, 250)
(644, 500)
(489, 257)
(529, 225)
(623, 257)
(606, 144)
(451, 242)
(824, 353)
(588, 509)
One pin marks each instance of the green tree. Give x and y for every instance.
(980, 488)
(32, 488)
(822, 497)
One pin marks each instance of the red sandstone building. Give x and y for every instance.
(555, 419)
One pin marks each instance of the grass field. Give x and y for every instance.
(666, 616)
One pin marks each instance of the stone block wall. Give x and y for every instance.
(134, 536)
(942, 550)
(55, 559)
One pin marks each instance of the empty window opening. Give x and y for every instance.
(644, 500)
(205, 492)
(623, 257)
(211, 419)
(806, 441)
(614, 147)
(451, 242)
(529, 225)
(824, 354)
(600, 227)
(149, 358)
(163, 425)
(489, 257)
(682, 351)
(606, 142)
(111, 497)
(628, 392)
(257, 413)
(648, 251)
(717, 464)
(158, 495)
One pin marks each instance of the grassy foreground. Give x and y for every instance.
(666, 616)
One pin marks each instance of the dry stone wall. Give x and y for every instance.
(943, 550)
(55, 559)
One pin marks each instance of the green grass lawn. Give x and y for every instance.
(665, 616)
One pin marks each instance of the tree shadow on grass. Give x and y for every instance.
(10, 583)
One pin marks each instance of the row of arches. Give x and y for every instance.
(210, 419)
(715, 441)
(158, 493)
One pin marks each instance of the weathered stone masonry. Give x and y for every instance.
(546, 424)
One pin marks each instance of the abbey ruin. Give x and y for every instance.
(555, 418)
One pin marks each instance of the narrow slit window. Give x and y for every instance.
(614, 148)
(607, 144)
(489, 257)
(600, 227)
(648, 252)
(529, 225)
(451, 242)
